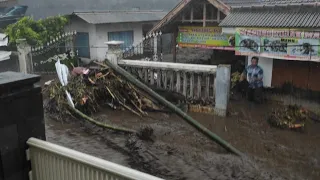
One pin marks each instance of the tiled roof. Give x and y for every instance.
(100, 17)
(303, 16)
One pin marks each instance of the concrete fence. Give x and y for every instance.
(53, 162)
(207, 83)
(197, 82)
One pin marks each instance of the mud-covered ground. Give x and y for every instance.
(180, 152)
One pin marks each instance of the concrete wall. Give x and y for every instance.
(102, 34)
(98, 34)
(79, 25)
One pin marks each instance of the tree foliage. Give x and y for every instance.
(36, 32)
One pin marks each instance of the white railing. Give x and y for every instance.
(53, 162)
(195, 81)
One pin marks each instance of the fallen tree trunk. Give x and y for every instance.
(172, 107)
(103, 125)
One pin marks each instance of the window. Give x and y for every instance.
(125, 36)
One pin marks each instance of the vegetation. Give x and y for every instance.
(36, 32)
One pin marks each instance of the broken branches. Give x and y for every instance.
(100, 124)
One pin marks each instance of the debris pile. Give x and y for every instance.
(92, 88)
(290, 117)
(235, 78)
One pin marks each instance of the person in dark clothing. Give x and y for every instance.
(253, 74)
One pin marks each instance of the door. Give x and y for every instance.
(125, 36)
(82, 44)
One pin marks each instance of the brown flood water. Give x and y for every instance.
(180, 152)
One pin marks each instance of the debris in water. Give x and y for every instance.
(145, 133)
(289, 117)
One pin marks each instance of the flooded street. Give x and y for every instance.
(74, 136)
(180, 152)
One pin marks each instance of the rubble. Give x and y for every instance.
(290, 117)
(93, 88)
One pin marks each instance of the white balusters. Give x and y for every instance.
(52, 43)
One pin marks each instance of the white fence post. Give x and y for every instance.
(222, 89)
(114, 51)
(25, 57)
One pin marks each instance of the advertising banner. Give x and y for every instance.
(291, 44)
(205, 37)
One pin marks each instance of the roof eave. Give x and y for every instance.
(275, 5)
(181, 5)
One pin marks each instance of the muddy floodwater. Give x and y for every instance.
(178, 151)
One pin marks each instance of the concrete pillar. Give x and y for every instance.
(25, 57)
(114, 51)
(21, 117)
(222, 89)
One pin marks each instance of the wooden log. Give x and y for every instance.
(100, 124)
(174, 108)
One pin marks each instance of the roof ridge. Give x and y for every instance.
(114, 11)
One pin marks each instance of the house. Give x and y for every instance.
(225, 16)
(284, 34)
(45, 8)
(7, 3)
(94, 28)
(194, 25)
(11, 15)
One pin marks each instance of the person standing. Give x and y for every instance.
(254, 75)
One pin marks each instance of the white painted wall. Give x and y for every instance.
(79, 25)
(267, 65)
(102, 34)
(98, 34)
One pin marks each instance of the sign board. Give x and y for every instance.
(291, 44)
(205, 37)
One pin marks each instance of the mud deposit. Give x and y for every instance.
(177, 151)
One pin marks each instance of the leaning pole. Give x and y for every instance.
(174, 108)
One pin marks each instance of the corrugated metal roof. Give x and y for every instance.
(284, 16)
(235, 3)
(101, 17)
